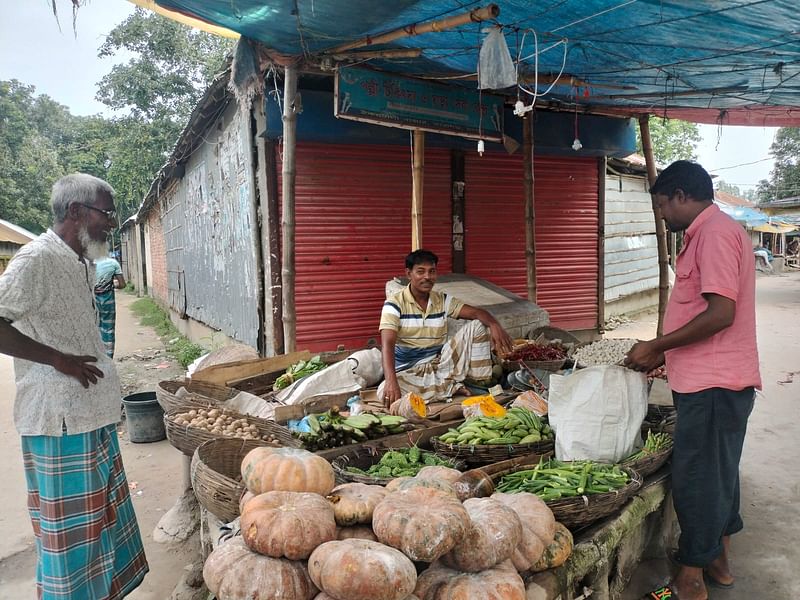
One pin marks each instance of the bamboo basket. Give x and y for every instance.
(581, 511)
(216, 475)
(200, 393)
(649, 464)
(187, 438)
(484, 454)
(365, 456)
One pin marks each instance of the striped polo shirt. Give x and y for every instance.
(419, 333)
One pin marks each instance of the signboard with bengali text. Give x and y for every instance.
(396, 101)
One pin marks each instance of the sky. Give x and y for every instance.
(34, 51)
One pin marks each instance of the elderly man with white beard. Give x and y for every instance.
(67, 404)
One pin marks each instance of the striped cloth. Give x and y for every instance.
(106, 317)
(87, 539)
(468, 354)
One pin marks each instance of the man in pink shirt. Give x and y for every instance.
(709, 347)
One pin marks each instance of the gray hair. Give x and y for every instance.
(76, 187)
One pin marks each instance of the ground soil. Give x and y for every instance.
(763, 554)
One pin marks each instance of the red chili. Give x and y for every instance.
(536, 352)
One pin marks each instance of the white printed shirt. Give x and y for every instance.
(46, 293)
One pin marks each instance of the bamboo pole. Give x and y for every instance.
(418, 178)
(288, 221)
(661, 230)
(370, 54)
(474, 16)
(530, 214)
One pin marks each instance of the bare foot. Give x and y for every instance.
(689, 584)
(719, 569)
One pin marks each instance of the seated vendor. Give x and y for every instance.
(416, 352)
(765, 255)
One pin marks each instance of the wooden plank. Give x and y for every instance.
(229, 373)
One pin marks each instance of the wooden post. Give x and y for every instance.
(418, 178)
(661, 230)
(267, 183)
(601, 244)
(530, 213)
(287, 221)
(457, 183)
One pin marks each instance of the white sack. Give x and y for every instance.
(597, 413)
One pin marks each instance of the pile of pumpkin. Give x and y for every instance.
(304, 538)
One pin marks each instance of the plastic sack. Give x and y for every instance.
(597, 413)
(482, 406)
(495, 67)
(411, 406)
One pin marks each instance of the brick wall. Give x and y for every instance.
(157, 271)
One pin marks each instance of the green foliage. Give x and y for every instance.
(672, 140)
(784, 180)
(153, 94)
(151, 315)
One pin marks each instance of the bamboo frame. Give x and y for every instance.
(288, 173)
(418, 180)
(474, 16)
(661, 231)
(530, 214)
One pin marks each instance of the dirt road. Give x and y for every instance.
(153, 469)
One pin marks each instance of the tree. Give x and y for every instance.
(784, 179)
(152, 95)
(672, 140)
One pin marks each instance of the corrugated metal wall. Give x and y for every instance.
(567, 232)
(631, 251)
(353, 219)
(212, 275)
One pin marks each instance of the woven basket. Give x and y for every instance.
(661, 418)
(187, 438)
(365, 456)
(199, 393)
(484, 454)
(580, 511)
(650, 463)
(216, 475)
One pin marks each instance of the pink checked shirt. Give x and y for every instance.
(717, 258)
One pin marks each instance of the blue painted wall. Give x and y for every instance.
(553, 132)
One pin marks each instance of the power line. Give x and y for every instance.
(760, 160)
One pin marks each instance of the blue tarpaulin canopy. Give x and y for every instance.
(722, 61)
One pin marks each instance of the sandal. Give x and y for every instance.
(662, 593)
(716, 583)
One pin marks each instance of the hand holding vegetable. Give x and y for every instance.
(644, 356)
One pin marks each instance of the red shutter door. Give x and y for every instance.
(567, 229)
(353, 230)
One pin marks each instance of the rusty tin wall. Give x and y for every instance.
(207, 222)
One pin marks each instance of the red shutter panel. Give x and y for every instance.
(566, 206)
(353, 229)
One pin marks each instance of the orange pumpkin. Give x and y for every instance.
(559, 550)
(287, 524)
(501, 582)
(358, 532)
(246, 497)
(354, 502)
(233, 572)
(424, 523)
(267, 469)
(538, 527)
(362, 570)
(492, 537)
(324, 596)
(394, 484)
(440, 473)
(436, 484)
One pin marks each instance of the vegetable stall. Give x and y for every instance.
(334, 498)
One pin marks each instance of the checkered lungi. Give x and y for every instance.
(468, 354)
(106, 317)
(87, 539)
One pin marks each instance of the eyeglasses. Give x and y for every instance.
(110, 213)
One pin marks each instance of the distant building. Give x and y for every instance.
(12, 238)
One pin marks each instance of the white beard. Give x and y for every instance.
(92, 249)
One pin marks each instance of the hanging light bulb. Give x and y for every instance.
(481, 147)
(576, 144)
